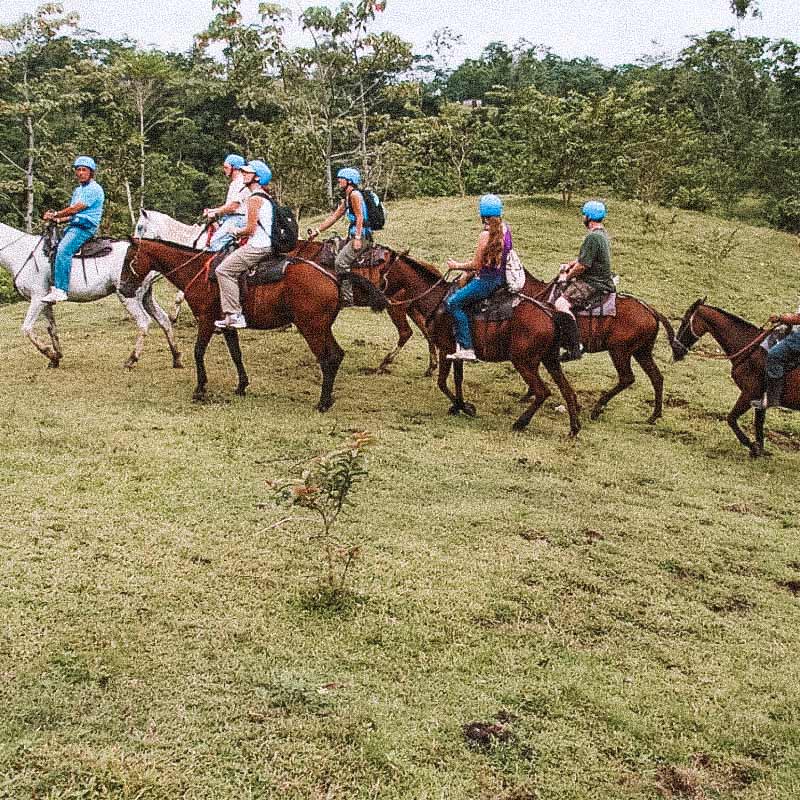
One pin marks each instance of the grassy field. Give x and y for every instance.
(530, 617)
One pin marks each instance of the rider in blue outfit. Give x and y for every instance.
(83, 215)
(778, 357)
(494, 245)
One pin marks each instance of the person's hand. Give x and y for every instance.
(312, 234)
(357, 243)
(49, 214)
(210, 213)
(453, 264)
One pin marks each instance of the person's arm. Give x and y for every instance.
(786, 319)
(253, 207)
(358, 213)
(65, 213)
(474, 264)
(335, 215)
(584, 259)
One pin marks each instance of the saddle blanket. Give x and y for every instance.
(605, 305)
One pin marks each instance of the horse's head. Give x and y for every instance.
(133, 269)
(690, 330)
(144, 226)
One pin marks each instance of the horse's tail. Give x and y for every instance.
(660, 318)
(376, 299)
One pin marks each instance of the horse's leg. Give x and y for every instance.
(176, 307)
(205, 329)
(232, 340)
(419, 321)
(133, 305)
(760, 415)
(458, 380)
(163, 320)
(625, 378)
(34, 309)
(644, 358)
(742, 405)
(444, 372)
(52, 330)
(553, 366)
(398, 316)
(330, 360)
(538, 390)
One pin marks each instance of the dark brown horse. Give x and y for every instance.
(631, 334)
(739, 340)
(528, 339)
(398, 313)
(306, 296)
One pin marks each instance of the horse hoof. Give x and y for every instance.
(53, 364)
(653, 419)
(454, 410)
(596, 412)
(519, 425)
(241, 391)
(573, 433)
(324, 405)
(177, 363)
(469, 409)
(199, 394)
(756, 451)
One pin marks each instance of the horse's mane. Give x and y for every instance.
(184, 247)
(424, 268)
(734, 317)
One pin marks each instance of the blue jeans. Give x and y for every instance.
(70, 243)
(787, 349)
(223, 235)
(476, 289)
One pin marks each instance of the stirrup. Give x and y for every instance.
(575, 354)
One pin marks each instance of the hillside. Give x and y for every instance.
(619, 613)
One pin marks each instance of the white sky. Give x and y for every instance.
(613, 31)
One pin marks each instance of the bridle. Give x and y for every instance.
(167, 275)
(385, 283)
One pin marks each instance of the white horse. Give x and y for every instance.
(22, 257)
(157, 225)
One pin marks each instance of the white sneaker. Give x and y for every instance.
(462, 354)
(231, 321)
(55, 296)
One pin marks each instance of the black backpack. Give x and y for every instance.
(376, 213)
(284, 226)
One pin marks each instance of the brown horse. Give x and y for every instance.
(306, 296)
(739, 340)
(528, 339)
(398, 313)
(630, 334)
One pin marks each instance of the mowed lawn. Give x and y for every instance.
(619, 616)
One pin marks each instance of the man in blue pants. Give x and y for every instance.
(82, 215)
(778, 357)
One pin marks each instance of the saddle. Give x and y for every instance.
(372, 256)
(269, 270)
(498, 307)
(96, 248)
(601, 305)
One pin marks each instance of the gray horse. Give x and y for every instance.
(21, 255)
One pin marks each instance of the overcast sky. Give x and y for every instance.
(613, 31)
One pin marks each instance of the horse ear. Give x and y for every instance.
(703, 301)
(144, 213)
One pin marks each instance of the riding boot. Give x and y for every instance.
(772, 394)
(570, 337)
(345, 289)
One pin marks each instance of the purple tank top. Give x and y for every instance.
(493, 270)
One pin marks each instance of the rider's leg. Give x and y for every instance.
(476, 289)
(70, 243)
(569, 328)
(344, 260)
(228, 273)
(223, 235)
(786, 350)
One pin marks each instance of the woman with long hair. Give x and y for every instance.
(489, 261)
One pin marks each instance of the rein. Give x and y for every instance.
(199, 253)
(751, 345)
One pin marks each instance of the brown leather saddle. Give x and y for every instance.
(498, 307)
(373, 256)
(601, 305)
(96, 248)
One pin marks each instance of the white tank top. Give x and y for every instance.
(262, 237)
(237, 194)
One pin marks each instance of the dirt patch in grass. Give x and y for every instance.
(791, 585)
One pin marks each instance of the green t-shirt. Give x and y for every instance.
(595, 255)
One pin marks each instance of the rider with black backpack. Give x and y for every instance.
(365, 215)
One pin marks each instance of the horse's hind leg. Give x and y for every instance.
(232, 341)
(53, 331)
(163, 320)
(740, 407)
(398, 316)
(134, 307)
(537, 388)
(645, 360)
(553, 366)
(329, 359)
(34, 309)
(625, 378)
(205, 328)
(176, 307)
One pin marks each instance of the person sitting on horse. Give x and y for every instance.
(258, 228)
(779, 358)
(494, 245)
(352, 204)
(83, 216)
(587, 277)
(231, 214)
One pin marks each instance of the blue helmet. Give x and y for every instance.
(490, 205)
(85, 161)
(260, 170)
(350, 174)
(594, 210)
(235, 161)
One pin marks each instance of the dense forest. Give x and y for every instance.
(716, 128)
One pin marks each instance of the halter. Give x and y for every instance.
(199, 253)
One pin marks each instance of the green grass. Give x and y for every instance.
(621, 609)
